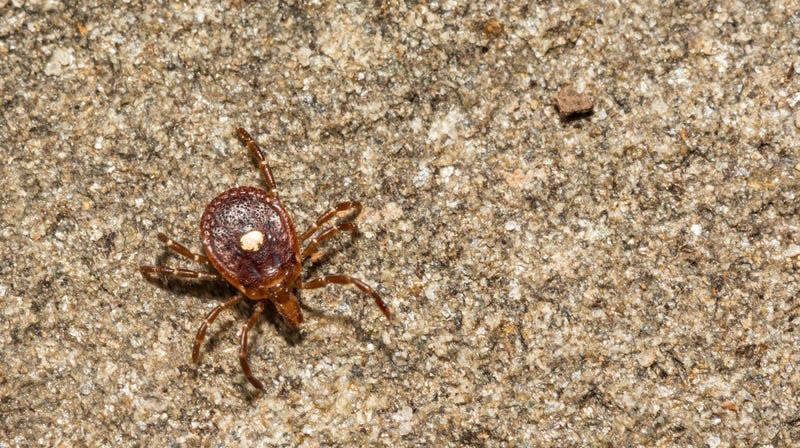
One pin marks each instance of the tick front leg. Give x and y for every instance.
(210, 318)
(347, 280)
(330, 214)
(181, 249)
(259, 308)
(255, 150)
(327, 234)
(179, 273)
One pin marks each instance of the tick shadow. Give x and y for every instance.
(294, 336)
(269, 325)
(343, 247)
(218, 291)
(575, 119)
(227, 331)
(361, 333)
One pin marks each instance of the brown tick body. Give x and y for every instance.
(250, 240)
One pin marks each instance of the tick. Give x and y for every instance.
(250, 240)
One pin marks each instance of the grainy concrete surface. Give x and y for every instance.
(626, 278)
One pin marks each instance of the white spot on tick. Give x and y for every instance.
(252, 241)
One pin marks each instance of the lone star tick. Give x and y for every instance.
(249, 239)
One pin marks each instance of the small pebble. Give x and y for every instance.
(58, 60)
(570, 102)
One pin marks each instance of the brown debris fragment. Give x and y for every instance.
(729, 406)
(492, 28)
(81, 28)
(570, 102)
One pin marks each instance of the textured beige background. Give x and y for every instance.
(629, 278)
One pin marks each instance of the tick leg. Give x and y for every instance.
(347, 280)
(210, 318)
(259, 308)
(327, 234)
(180, 273)
(255, 150)
(181, 249)
(330, 214)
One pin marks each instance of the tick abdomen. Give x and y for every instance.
(248, 237)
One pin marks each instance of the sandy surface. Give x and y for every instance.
(627, 277)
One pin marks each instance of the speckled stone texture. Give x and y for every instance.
(627, 278)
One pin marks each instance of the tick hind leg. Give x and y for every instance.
(339, 279)
(258, 309)
(210, 318)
